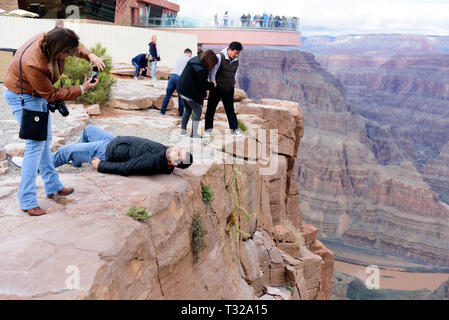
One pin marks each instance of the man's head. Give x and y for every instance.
(234, 50)
(178, 157)
(153, 38)
(188, 52)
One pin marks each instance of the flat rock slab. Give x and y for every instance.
(87, 230)
(138, 94)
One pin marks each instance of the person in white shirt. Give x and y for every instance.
(173, 81)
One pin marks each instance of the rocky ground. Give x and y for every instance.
(88, 235)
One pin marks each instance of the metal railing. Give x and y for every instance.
(288, 24)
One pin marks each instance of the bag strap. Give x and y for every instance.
(20, 71)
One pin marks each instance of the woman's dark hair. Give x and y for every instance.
(209, 59)
(235, 45)
(57, 41)
(187, 162)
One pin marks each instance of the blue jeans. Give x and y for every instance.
(37, 153)
(153, 69)
(137, 73)
(93, 143)
(171, 87)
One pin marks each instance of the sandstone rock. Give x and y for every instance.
(239, 95)
(282, 234)
(250, 260)
(2, 154)
(15, 149)
(312, 273)
(94, 110)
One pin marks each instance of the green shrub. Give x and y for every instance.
(138, 213)
(198, 233)
(208, 195)
(77, 70)
(242, 126)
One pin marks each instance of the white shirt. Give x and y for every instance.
(213, 72)
(181, 63)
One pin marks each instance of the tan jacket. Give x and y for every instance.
(36, 77)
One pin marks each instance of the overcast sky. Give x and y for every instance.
(335, 17)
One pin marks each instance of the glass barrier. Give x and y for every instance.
(288, 24)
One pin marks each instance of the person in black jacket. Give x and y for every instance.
(141, 63)
(192, 86)
(122, 155)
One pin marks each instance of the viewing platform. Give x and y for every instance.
(209, 32)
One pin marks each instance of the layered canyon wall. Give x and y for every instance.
(356, 182)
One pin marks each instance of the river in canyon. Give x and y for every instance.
(395, 272)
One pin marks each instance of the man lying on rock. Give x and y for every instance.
(121, 155)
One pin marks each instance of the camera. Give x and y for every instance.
(94, 74)
(60, 106)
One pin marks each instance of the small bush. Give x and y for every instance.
(77, 70)
(198, 233)
(297, 234)
(208, 195)
(242, 126)
(138, 213)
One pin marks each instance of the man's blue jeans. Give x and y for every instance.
(137, 73)
(93, 143)
(171, 87)
(37, 153)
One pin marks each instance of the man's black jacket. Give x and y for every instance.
(133, 155)
(193, 81)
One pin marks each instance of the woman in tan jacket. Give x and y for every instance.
(42, 65)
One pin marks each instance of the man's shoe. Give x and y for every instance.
(207, 134)
(35, 212)
(135, 78)
(17, 161)
(141, 78)
(237, 133)
(196, 136)
(183, 133)
(63, 192)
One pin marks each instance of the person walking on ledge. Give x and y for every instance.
(192, 87)
(122, 155)
(223, 75)
(181, 63)
(39, 63)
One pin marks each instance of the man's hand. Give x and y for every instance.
(95, 162)
(215, 83)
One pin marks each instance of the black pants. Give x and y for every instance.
(215, 96)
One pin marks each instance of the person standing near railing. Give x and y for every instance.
(216, 19)
(154, 56)
(225, 19)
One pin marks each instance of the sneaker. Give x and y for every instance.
(141, 78)
(183, 133)
(207, 134)
(237, 133)
(197, 136)
(135, 78)
(17, 161)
